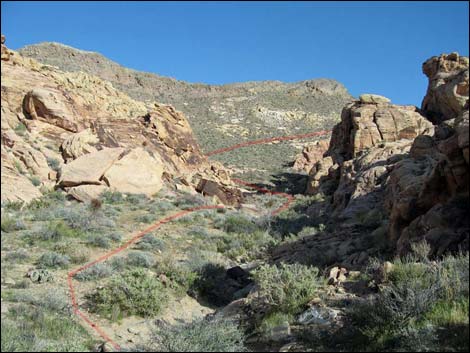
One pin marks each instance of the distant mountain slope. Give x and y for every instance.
(220, 115)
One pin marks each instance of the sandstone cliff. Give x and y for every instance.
(392, 161)
(77, 132)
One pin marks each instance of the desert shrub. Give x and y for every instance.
(204, 335)
(94, 272)
(145, 218)
(160, 206)
(287, 287)
(77, 254)
(99, 240)
(56, 230)
(135, 292)
(150, 242)
(273, 320)
(185, 200)
(114, 236)
(197, 231)
(112, 197)
(12, 205)
(11, 224)
(53, 163)
(423, 306)
(50, 199)
(140, 259)
(17, 256)
(53, 260)
(32, 329)
(245, 244)
(20, 129)
(35, 180)
(237, 223)
(136, 199)
(181, 277)
(118, 264)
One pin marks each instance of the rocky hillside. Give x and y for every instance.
(220, 115)
(75, 131)
(391, 176)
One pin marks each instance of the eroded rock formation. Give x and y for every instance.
(392, 161)
(75, 131)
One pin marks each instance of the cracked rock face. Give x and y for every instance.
(367, 125)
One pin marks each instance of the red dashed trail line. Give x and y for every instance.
(104, 257)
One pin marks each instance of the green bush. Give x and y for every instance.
(140, 259)
(237, 223)
(53, 260)
(181, 277)
(10, 224)
(272, 321)
(35, 180)
(150, 242)
(99, 240)
(53, 163)
(248, 245)
(135, 292)
(33, 329)
(112, 197)
(424, 305)
(56, 230)
(288, 287)
(20, 129)
(94, 272)
(205, 335)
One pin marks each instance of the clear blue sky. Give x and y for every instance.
(369, 47)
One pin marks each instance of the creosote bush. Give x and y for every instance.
(134, 292)
(203, 335)
(288, 287)
(53, 260)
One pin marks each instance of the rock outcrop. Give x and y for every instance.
(389, 166)
(79, 132)
(311, 154)
(448, 86)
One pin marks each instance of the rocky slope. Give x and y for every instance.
(389, 172)
(220, 115)
(76, 131)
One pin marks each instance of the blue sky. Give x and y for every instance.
(373, 47)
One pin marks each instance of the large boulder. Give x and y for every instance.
(89, 168)
(137, 172)
(311, 154)
(46, 104)
(87, 192)
(448, 86)
(78, 144)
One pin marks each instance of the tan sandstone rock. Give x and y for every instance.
(86, 193)
(78, 144)
(448, 86)
(46, 104)
(89, 168)
(137, 172)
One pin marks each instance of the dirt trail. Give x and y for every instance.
(104, 257)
